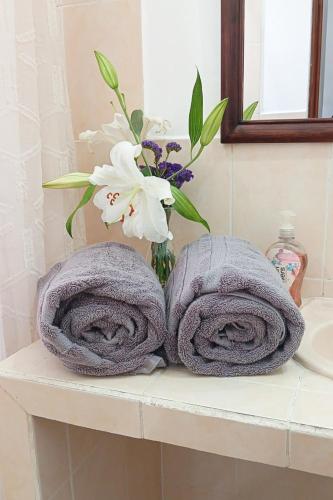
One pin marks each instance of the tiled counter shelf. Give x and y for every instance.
(284, 419)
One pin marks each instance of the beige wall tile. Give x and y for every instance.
(271, 177)
(191, 475)
(209, 191)
(82, 443)
(63, 493)
(194, 475)
(216, 435)
(311, 453)
(312, 287)
(102, 475)
(328, 288)
(52, 455)
(17, 455)
(114, 28)
(117, 468)
(263, 482)
(313, 408)
(328, 271)
(143, 469)
(61, 3)
(241, 395)
(77, 407)
(288, 375)
(314, 382)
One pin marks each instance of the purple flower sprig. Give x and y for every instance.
(166, 169)
(154, 148)
(173, 146)
(158, 151)
(170, 169)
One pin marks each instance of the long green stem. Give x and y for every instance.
(187, 164)
(136, 137)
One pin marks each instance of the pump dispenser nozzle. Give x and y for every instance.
(287, 228)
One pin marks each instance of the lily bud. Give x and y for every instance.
(213, 123)
(72, 180)
(107, 70)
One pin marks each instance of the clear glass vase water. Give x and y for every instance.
(162, 256)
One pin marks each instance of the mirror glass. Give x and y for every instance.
(288, 58)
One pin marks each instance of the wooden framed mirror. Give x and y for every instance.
(279, 53)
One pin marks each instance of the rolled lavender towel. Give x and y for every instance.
(228, 312)
(102, 312)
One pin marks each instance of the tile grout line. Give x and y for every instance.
(71, 472)
(70, 465)
(289, 417)
(34, 456)
(86, 458)
(142, 432)
(73, 3)
(13, 398)
(162, 491)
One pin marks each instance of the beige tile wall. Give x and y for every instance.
(85, 464)
(88, 464)
(193, 475)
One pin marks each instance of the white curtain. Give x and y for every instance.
(36, 144)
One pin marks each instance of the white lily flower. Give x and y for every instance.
(154, 126)
(131, 197)
(119, 130)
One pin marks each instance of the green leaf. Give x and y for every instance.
(72, 180)
(213, 123)
(185, 207)
(195, 119)
(137, 121)
(248, 112)
(145, 171)
(107, 70)
(84, 200)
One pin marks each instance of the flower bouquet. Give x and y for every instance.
(143, 184)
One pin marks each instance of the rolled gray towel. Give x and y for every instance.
(228, 312)
(102, 312)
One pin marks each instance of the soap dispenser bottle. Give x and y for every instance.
(289, 257)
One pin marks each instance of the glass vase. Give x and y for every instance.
(162, 256)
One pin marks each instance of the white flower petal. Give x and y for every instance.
(111, 176)
(156, 126)
(114, 204)
(130, 196)
(102, 176)
(122, 156)
(154, 221)
(120, 121)
(159, 188)
(133, 224)
(95, 137)
(113, 136)
(148, 220)
(118, 129)
(87, 135)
